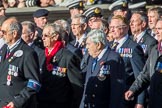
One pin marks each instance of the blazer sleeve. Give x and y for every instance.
(31, 76)
(143, 79)
(138, 62)
(76, 80)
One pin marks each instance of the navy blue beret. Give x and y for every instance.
(40, 12)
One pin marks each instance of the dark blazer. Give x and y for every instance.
(76, 51)
(107, 91)
(62, 89)
(156, 86)
(147, 42)
(19, 92)
(41, 56)
(145, 77)
(133, 57)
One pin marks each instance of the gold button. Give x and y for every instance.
(96, 85)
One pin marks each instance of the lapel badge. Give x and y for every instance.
(18, 53)
(54, 59)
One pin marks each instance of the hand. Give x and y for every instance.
(129, 95)
(139, 106)
(10, 105)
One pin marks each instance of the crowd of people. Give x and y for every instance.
(85, 61)
(55, 3)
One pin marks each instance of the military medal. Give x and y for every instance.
(104, 70)
(8, 80)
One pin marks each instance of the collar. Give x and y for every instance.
(30, 44)
(12, 47)
(81, 39)
(121, 41)
(139, 37)
(102, 53)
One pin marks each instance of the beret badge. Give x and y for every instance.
(124, 4)
(81, 4)
(97, 11)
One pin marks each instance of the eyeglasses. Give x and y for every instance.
(75, 24)
(49, 35)
(117, 27)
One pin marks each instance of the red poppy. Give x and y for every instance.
(49, 67)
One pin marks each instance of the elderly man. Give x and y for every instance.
(78, 27)
(131, 53)
(138, 26)
(105, 75)
(151, 74)
(153, 15)
(19, 76)
(28, 32)
(61, 80)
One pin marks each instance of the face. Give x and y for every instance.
(91, 47)
(26, 35)
(136, 24)
(45, 3)
(158, 30)
(152, 19)
(118, 28)
(94, 22)
(2, 11)
(48, 40)
(75, 11)
(11, 3)
(41, 21)
(119, 12)
(7, 34)
(77, 27)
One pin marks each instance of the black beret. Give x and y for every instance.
(40, 13)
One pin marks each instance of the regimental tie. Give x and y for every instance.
(94, 64)
(114, 46)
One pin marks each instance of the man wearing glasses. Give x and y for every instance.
(131, 53)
